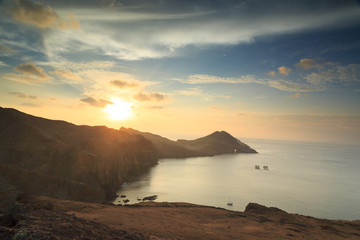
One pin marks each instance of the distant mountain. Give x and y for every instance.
(213, 144)
(216, 143)
(165, 147)
(63, 160)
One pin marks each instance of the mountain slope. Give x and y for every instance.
(165, 147)
(213, 144)
(98, 156)
(216, 143)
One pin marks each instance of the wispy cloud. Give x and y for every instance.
(23, 95)
(160, 30)
(2, 64)
(298, 95)
(66, 74)
(327, 76)
(284, 85)
(6, 51)
(156, 107)
(190, 91)
(95, 103)
(143, 96)
(123, 84)
(27, 104)
(346, 75)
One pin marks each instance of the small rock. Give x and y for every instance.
(150, 198)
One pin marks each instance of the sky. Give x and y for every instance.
(183, 69)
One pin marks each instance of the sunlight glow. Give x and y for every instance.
(119, 110)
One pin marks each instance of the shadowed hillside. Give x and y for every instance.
(99, 157)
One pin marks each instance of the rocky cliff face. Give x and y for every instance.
(98, 157)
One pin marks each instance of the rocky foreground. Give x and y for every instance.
(34, 217)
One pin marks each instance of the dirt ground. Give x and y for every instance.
(60, 219)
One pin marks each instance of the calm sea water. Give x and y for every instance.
(317, 179)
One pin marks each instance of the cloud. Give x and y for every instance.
(290, 86)
(72, 23)
(156, 107)
(123, 84)
(143, 96)
(32, 69)
(284, 70)
(203, 79)
(34, 13)
(96, 103)
(298, 95)
(158, 96)
(27, 73)
(80, 66)
(2, 64)
(140, 30)
(348, 75)
(308, 63)
(272, 73)
(23, 95)
(30, 104)
(331, 76)
(66, 74)
(6, 51)
(190, 92)
(281, 84)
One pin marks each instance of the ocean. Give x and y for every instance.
(317, 179)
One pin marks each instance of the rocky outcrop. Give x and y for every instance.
(260, 209)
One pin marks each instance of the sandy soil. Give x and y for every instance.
(169, 221)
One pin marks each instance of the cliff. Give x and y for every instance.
(97, 157)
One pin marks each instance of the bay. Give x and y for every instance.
(316, 179)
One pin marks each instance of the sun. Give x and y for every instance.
(119, 110)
